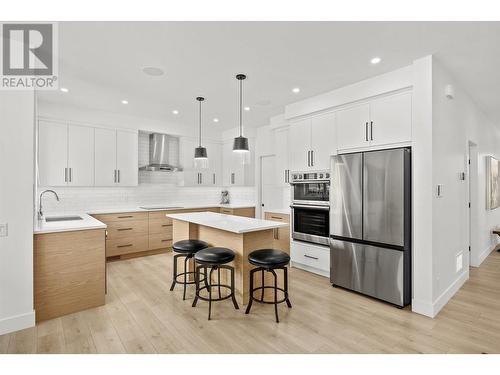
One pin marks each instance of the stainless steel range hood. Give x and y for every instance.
(163, 153)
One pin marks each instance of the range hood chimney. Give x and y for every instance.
(163, 153)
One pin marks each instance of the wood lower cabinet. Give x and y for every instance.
(281, 235)
(69, 272)
(142, 233)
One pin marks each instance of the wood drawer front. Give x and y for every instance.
(277, 217)
(130, 228)
(126, 245)
(226, 211)
(160, 227)
(311, 256)
(160, 241)
(125, 216)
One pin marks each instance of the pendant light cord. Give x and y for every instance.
(200, 123)
(241, 106)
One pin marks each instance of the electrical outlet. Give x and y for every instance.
(460, 262)
(4, 230)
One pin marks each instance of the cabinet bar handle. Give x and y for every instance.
(65, 174)
(166, 225)
(276, 217)
(120, 229)
(312, 158)
(371, 130)
(310, 257)
(114, 176)
(71, 175)
(128, 245)
(165, 240)
(119, 177)
(124, 217)
(214, 178)
(366, 132)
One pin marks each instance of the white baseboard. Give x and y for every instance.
(16, 323)
(483, 255)
(422, 307)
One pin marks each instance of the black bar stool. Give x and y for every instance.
(214, 258)
(186, 249)
(269, 260)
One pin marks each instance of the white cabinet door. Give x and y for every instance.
(281, 141)
(105, 157)
(80, 155)
(52, 153)
(300, 145)
(390, 119)
(186, 153)
(353, 127)
(323, 142)
(127, 162)
(214, 151)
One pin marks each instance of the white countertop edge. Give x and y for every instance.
(88, 223)
(119, 210)
(228, 223)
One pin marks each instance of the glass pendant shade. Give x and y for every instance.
(241, 143)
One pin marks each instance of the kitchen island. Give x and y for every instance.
(240, 234)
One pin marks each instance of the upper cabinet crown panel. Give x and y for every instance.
(382, 121)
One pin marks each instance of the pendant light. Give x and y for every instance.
(241, 143)
(200, 152)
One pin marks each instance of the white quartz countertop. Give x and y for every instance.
(87, 222)
(229, 223)
(163, 207)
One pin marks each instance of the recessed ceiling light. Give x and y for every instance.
(216, 119)
(295, 90)
(247, 108)
(175, 112)
(375, 60)
(124, 101)
(64, 89)
(153, 71)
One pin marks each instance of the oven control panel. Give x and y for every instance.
(310, 176)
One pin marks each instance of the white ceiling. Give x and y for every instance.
(101, 63)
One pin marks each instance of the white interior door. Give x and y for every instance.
(127, 163)
(390, 120)
(270, 197)
(80, 155)
(105, 157)
(353, 127)
(52, 153)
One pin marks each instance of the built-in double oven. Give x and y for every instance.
(311, 206)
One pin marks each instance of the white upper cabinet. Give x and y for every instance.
(323, 141)
(52, 153)
(80, 155)
(127, 164)
(312, 142)
(65, 154)
(353, 127)
(193, 176)
(383, 121)
(300, 145)
(238, 168)
(390, 119)
(105, 157)
(281, 148)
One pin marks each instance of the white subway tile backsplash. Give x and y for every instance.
(161, 190)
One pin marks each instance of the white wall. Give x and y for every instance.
(17, 113)
(456, 122)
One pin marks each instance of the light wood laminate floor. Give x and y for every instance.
(141, 315)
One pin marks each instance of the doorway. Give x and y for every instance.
(472, 196)
(268, 189)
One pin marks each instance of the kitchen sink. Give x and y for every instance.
(62, 218)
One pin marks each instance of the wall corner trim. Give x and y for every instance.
(17, 322)
(443, 299)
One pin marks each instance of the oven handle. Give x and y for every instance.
(309, 182)
(324, 208)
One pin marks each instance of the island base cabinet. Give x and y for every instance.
(69, 272)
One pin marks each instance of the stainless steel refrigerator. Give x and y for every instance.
(370, 224)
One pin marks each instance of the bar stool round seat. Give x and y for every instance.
(215, 259)
(269, 258)
(185, 249)
(214, 255)
(189, 246)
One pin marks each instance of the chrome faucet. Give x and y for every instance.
(40, 212)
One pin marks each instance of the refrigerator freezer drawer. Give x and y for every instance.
(370, 270)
